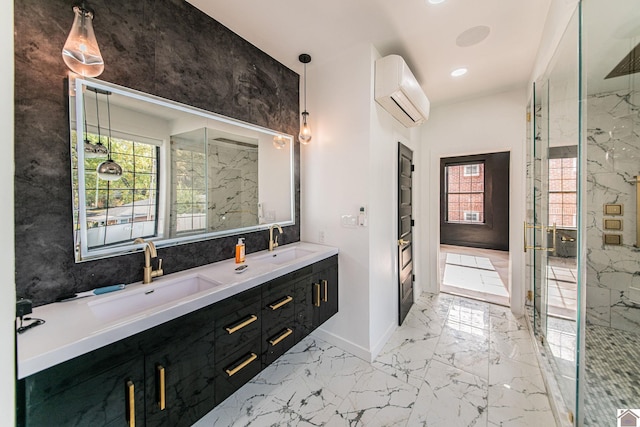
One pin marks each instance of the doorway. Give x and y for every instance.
(474, 226)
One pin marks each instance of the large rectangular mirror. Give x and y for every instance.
(154, 169)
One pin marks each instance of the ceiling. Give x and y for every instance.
(423, 33)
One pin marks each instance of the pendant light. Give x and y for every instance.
(108, 170)
(305, 130)
(279, 142)
(91, 150)
(81, 52)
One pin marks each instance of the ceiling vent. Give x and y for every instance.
(398, 91)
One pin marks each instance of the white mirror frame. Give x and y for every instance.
(82, 251)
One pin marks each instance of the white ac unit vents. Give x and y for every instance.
(398, 91)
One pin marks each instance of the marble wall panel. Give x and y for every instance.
(163, 47)
(613, 161)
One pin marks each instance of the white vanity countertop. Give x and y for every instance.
(76, 327)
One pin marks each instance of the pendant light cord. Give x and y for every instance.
(305, 89)
(109, 123)
(98, 120)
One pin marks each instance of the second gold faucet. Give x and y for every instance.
(273, 243)
(150, 252)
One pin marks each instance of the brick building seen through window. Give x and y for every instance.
(465, 193)
(562, 192)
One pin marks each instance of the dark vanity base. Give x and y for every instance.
(175, 373)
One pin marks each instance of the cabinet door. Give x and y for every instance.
(179, 381)
(304, 308)
(114, 397)
(328, 280)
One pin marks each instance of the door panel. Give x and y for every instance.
(405, 236)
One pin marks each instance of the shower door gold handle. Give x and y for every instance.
(551, 229)
(403, 242)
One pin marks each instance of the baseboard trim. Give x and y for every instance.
(345, 345)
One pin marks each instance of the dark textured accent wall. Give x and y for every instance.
(164, 47)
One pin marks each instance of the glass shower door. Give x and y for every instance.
(554, 231)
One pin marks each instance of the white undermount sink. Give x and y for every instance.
(148, 296)
(281, 256)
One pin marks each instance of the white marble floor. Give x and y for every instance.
(454, 362)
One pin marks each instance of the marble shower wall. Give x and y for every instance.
(613, 161)
(233, 186)
(163, 47)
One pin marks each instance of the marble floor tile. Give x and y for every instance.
(465, 348)
(454, 362)
(450, 397)
(378, 399)
(407, 354)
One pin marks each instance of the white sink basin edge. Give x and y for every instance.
(284, 255)
(149, 296)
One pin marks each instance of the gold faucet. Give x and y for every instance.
(273, 243)
(150, 252)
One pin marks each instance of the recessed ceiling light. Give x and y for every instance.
(436, 1)
(459, 72)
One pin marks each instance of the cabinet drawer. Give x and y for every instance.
(237, 369)
(237, 328)
(277, 341)
(278, 306)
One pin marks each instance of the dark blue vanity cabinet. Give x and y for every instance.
(175, 373)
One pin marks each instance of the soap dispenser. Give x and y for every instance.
(240, 251)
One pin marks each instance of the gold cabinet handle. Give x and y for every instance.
(326, 290)
(316, 297)
(285, 301)
(161, 387)
(251, 358)
(525, 237)
(131, 391)
(403, 242)
(236, 328)
(285, 334)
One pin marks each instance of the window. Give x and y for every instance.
(465, 193)
(562, 192)
(472, 170)
(120, 211)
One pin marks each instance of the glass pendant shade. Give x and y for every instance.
(279, 142)
(109, 170)
(81, 52)
(93, 151)
(305, 130)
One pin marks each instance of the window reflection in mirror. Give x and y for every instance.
(187, 174)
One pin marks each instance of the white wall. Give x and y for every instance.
(334, 173)
(352, 162)
(488, 124)
(7, 260)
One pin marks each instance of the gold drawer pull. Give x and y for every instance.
(316, 298)
(326, 290)
(251, 358)
(241, 325)
(285, 301)
(131, 390)
(161, 387)
(281, 337)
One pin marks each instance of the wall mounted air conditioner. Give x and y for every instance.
(398, 91)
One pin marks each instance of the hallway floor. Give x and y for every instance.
(454, 362)
(482, 274)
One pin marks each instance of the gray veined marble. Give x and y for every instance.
(613, 161)
(417, 380)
